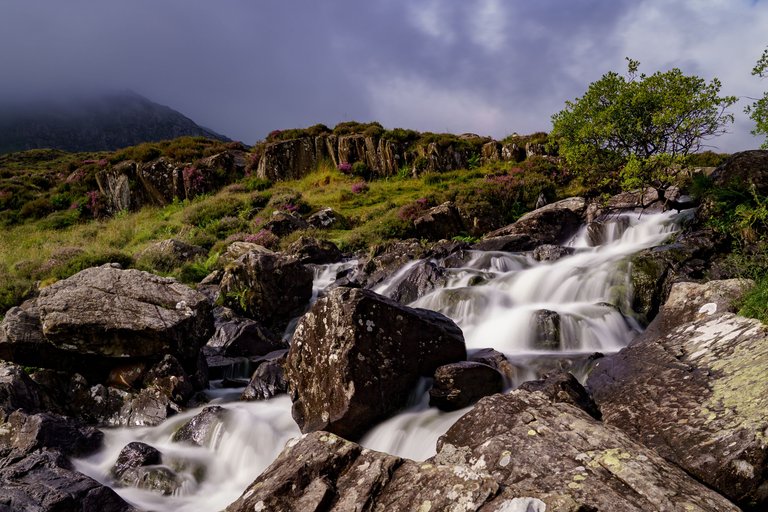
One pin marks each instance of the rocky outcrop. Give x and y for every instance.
(356, 356)
(693, 388)
(104, 316)
(459, 385)
(441, 222)
(284, 223)
(285, 160)
(557, 454)
(268, 287)
(321, 471)
(743, 171)
(201, 429)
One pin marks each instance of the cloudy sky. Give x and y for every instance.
(492, 67)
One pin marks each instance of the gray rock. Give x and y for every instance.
(267, 287)
(236, 336)
(201, 429)
(550, 252)
(356, 356)
(459, 385)
(695, 391)
(268, 380)
(563, 387)
(312, 250)
(326, 218)
(423, 278)
(546, 323)
(550, 224)
(440, 222)
(284, 223)
(17, 390)
(286, 160)
(46, 482)
(321, 471)
(91, 321)
(558, 454)
(135, 455)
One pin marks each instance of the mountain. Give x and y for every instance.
(98, 123)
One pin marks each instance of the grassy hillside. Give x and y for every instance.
(53, 229)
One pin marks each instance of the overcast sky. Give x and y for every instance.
(492, 67)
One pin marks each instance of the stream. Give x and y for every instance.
(541, 315)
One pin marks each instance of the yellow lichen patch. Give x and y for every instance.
(426, 506)
(574, 485)
(532, 432)
(580, 478)
(741, 386)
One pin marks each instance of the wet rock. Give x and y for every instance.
(550, 224)
(170, 379)
(268, 380)
(311, 250)
(558, 454)
(563, 387)
(135, 455)
(17, 390)
(284, 223)
(495, 360)
(267, 287)
(46, 482)
(459, 385)
(22, 434)
(356, 356)
(421, 279)
(201, 430)
(385, 261)
(546, 325)
(440, 222)
(96, 319)
(704, 394)
(550, 252)
(321, 471)
(507, 243)
(236, 336)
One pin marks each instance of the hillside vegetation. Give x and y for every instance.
(56, 222)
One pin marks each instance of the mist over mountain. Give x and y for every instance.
(92, 123)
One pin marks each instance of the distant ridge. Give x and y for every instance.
(101, 123)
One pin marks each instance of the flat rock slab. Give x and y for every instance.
(698, 394)
(558, 454)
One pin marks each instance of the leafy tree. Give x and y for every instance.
(642, 126)
(758, 111)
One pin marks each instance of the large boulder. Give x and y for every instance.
(424, 277)
(313, 250)
(321, 471)
(17, 390)
(46, 482)
(743, 171)
(356, 356)
(268, 380)
(558, 454)
(694, 389)
(551, 224)
(101, 316)
(236, 336)
(267, 287)
(439, 222)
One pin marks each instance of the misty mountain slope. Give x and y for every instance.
(94, 124)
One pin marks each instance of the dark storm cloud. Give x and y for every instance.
(244, 68)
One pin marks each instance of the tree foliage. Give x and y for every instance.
(758, 111)
(641, 125)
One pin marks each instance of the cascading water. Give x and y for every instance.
(537, 313)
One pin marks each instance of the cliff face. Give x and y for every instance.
(95, 124)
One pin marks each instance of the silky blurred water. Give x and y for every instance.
(495, 297)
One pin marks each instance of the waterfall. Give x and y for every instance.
(539, 314)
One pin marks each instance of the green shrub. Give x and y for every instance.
(212, 209)
(755, 303)
(82, 261)
(14, 290)
(60, 220)
(36, 208)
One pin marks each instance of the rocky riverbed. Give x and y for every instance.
(670, 413)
